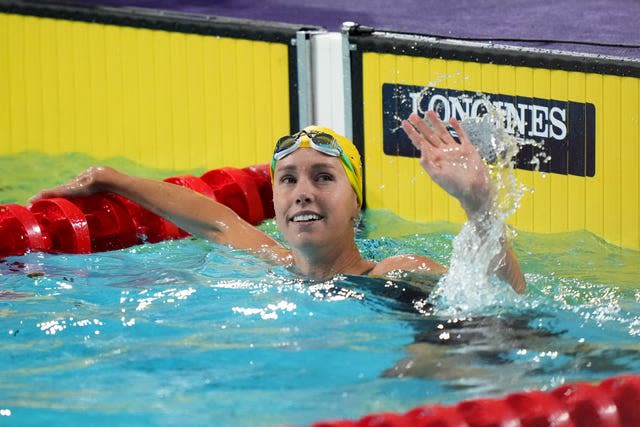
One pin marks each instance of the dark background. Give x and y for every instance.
(602, 27)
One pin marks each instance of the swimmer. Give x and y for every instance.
(317, 196)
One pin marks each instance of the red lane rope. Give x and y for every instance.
(613, 403)
(104, 221)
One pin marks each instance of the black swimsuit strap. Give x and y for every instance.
(367, 271)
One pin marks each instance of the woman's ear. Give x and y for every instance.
(356, 209)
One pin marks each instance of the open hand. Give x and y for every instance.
(456, 167)
(85, 184)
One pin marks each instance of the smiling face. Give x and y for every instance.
(314, 203)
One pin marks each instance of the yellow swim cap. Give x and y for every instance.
(350, 158)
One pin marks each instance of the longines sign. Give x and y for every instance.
(565, 129)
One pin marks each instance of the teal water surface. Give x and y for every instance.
(193, 333)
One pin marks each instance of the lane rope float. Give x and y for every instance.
(105, 221)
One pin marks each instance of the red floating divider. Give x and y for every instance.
(63, 225)
(194, 183)
(106, 221)
(588, 405)
(615, 403)
(538, 409)
(337, 423)
(19, 231)
(237, 189)
(385, 420)
(488, 413)
(262, 179)
(625, 391)
(436, 416)
(149, 226)
(110, 224)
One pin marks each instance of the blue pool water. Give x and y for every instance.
(193, 333)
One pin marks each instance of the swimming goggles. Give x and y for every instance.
(319, 141)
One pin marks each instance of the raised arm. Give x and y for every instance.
(461, 172)
(189, 210)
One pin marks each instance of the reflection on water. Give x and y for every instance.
(202, 328)
(573, 331)
(193, 333)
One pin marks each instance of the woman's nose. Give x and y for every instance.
(304, 192)
(303, 198)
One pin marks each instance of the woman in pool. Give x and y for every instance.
(317, 195)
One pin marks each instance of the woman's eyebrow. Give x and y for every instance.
(286, 169)
(313, 167)
(324, 165)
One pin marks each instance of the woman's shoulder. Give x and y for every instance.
(407, 263)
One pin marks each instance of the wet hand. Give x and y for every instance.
(86, 183)
(456, 167)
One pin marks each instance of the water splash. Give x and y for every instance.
(470, 285)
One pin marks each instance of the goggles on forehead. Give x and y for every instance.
(319, 141)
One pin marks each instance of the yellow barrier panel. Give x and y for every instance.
(596, 189)
(163, 99)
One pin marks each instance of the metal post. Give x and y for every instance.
(305, 89)
(346, 73)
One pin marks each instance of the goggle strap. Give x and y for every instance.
(319, 141)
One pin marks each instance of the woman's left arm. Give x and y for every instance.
(461, 172)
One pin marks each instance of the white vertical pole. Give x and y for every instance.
(346, 78)
(305, 91)
(328, 82)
